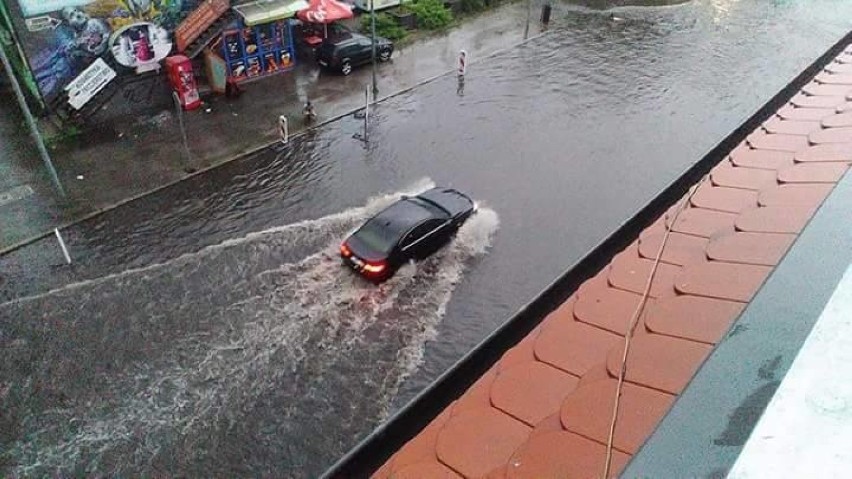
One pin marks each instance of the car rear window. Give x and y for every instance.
(379, 235)
(382, 232)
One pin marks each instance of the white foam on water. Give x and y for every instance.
(289, 331)
(347, 217)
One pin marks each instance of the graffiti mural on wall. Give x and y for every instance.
(71, 34)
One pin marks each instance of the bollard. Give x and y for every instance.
(366, 111)
(62, 245)
(283, 129)
(462, 62)
(545, 13)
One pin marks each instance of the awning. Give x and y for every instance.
(265, 11)
(325, 11)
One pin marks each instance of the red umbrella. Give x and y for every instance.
(325, 11)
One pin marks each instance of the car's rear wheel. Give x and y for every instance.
(346, 67)
(385, 55)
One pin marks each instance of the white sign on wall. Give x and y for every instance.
(92, 80)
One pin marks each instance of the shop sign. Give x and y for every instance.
(140, 45)
(91, 81)
(198, 21)
(37, 24)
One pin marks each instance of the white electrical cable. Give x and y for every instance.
(634, 320)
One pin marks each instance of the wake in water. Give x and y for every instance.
(259, 356)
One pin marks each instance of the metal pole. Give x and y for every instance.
(373, 36)
(187, 154)
(527, 27)
(42, 150)
(366, 111)
(62, 245)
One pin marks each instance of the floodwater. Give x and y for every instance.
(209, 329)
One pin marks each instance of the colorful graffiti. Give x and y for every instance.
(65, 39)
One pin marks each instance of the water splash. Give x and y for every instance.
(106, 377)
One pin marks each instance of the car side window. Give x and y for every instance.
(420, 231)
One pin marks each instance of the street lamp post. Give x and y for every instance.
(45, 156)
(373, 37)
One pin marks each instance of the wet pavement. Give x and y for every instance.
(215, 309)
(127, 154)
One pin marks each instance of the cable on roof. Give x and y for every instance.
(634, 320)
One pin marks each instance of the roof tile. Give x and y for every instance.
(769, 141)
(751, 248)
(497, 473)
(728, 175)
(384, 471)
(521, 352)
(731, 200)
(596, 373)
(809, 101)
(805, 194)
(790, 127)
(826, 152)
(562, 454)
(838, 121)
(793, 113)
(422, 447)
(680, 249)
(530, 391)
(837, 67)
(659, 362)
(549, 424)
(693, 317)
(813, 173)
(588, 412)
(775, 219)
(704, 222)
(425, 470)
(831, 135)
(631, 273)
(766, 159)
(820, 89)
(574, 346)
(479, 440)
(714, 279)
(607, 307)
(846, 107)
(829, 78)
(478, 395)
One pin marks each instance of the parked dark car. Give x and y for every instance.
(347, 50)
(412, 228)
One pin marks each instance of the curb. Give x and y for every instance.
(253, 151)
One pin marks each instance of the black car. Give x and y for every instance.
(346, 50)
(412, 228)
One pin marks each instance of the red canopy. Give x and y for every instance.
(325, 11)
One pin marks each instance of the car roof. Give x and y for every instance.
(343, 38)
(407, 213)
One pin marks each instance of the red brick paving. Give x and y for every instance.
(544, 410)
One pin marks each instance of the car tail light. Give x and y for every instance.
(345, 251)
(374, 268)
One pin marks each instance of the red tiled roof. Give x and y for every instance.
(544, 410)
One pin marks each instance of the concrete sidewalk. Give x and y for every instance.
(124, 160)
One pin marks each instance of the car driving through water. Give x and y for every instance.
(412, 228)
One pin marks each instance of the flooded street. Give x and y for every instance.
(209, 329)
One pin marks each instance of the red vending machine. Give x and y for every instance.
(183, 81)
